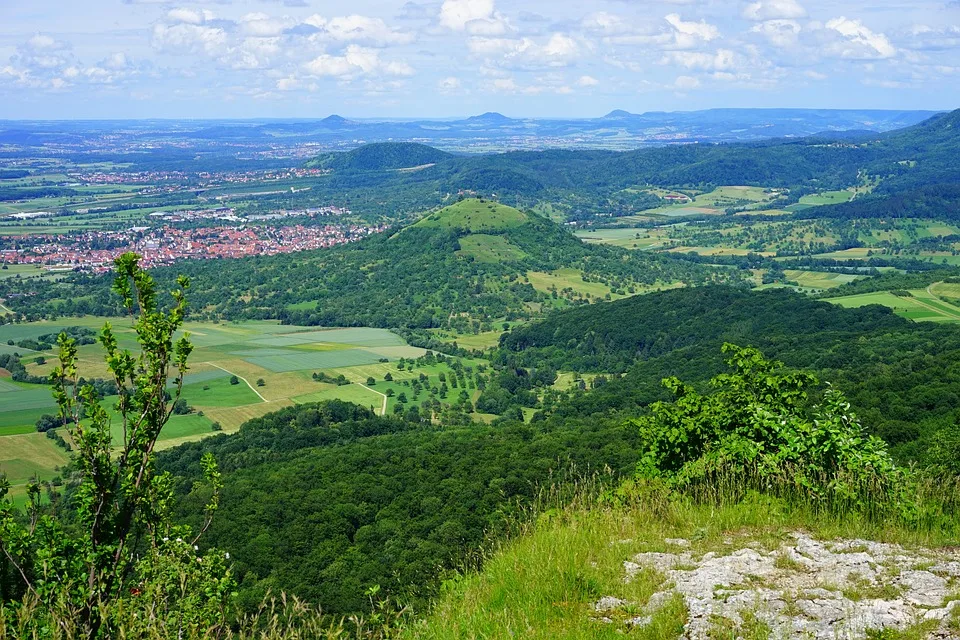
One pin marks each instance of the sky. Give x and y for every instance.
(104, 59)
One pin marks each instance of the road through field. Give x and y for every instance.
(252, 388)
(383, 411)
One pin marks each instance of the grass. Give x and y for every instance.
(628, 238)
(219, 393)
(819, 279)
(487, 248)
(475, 216)
(827, 197)
(920, 306)
(24, 456)
(543, 583)
(568, 278)
(283, 356)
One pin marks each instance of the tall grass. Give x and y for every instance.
(276, 619)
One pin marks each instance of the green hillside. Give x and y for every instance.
(475, 216)
(436, 273)
(381, 156)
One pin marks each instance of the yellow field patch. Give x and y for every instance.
(567, 278)
(230, 418)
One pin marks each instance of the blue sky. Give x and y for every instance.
(549, 58)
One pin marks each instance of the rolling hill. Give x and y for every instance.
(382, 156)
(464, 264)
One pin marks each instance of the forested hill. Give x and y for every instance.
(918, 155)
(381, 156)
(465, 263)
(902, 377)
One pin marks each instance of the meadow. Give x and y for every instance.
(274, 367)
(920, 305)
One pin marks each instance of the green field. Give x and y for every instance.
(475, 216)
(283, 357)
(827, 197)
(819, 279)
(486, 248)
(628, 238)
(920, 306)
(718, 200)
(568, 278)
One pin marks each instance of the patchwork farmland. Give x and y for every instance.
(238, 371)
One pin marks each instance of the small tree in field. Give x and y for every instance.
(113, 559)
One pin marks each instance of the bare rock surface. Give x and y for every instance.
(808, 588)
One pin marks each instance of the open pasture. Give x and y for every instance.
(567, 278)
(920, 306)
(628, 238)
(827, 197)
(719, 200)
(819, 279)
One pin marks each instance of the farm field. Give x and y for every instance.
(569, 278)
(921, 305)
(827, 197)
(282, 358)
(718, 200)
(819, 279)
(629, 238)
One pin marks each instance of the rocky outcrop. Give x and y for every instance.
(806, 588)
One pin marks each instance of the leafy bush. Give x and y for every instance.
(760, 422)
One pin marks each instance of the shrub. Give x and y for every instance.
(760, 423)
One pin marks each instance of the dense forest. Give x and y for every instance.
(325, 501)
(902, 377)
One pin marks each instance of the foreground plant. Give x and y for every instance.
(114, 554)
(760, 430)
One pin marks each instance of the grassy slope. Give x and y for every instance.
(475, 216)
(543, 583)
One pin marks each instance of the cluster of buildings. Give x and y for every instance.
(94, 251)
(202, 179)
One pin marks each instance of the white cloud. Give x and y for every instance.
(859, 42)
(686, 83)
(587, 81)
(559, 50)
(189, 16)
(774, 10)
(606, 23)
(356, 61)
(720, 60)
(780, 33)
(261, 25)
(185, 38)
(687, 35)
(360, 29)
(450, 84)
(455, 14)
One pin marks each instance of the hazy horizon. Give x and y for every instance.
(285, 59)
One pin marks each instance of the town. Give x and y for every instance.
(94, 251)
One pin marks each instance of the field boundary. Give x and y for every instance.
(383, 410)
(240, 377)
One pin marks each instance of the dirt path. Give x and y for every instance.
(383, 410)
(252, 388)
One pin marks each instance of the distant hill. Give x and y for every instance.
(490, 117)
(381, 156)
